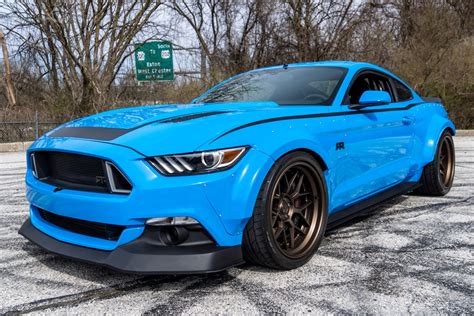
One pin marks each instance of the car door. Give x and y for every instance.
(378, 141)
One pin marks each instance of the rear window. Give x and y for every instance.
(403, 92)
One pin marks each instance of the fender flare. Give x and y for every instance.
(436, 128)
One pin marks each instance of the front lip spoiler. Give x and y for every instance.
(141, 257)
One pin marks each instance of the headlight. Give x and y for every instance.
(199, 162)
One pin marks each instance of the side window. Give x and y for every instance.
(361, 84)
(368, 82)
(403, 92)
(381, 84)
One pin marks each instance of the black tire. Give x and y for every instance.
(266, 244)
(438, 175)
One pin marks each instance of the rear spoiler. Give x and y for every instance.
(432, 100)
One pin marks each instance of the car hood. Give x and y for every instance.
(175, 128)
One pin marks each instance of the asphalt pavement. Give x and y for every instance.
(412, 254)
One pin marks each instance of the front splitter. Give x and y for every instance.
(142, 257)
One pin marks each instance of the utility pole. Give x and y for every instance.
(8, 74)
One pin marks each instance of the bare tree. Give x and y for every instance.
(319, 29)
(234, 35)
(8, 74)
(83, 43)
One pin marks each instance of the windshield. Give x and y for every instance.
(291, 86)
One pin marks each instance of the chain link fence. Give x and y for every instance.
(21, 131)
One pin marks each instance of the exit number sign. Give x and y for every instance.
(154, 61)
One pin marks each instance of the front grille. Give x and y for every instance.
(92, 229)
(78, 172)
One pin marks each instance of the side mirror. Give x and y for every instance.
(372, 98)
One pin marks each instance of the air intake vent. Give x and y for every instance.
(92, 229)
(118, 182)
(78, 172)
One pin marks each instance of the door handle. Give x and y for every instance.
(408, 120)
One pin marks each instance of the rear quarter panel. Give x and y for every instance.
(431, 121)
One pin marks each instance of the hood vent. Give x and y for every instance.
(191, 117)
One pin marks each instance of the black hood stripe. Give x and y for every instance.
(307, 116)
(107, 133)
(98, 133)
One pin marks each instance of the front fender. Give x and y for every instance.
(234, 199)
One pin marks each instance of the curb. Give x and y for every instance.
(23, 146)
(11, 147)
(465, 132)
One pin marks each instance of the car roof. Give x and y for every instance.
(329, 63)
(353, 66)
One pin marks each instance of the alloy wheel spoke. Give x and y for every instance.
(302, 208)
(297, 190)
(275, 219)
(286, 181)
(292, 181)
(442, 167)
(305, 220)
(292, 236)
(278, 232)
(300, 231)
(285, 239)
(301, 194)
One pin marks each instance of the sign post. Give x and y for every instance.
(154, 61)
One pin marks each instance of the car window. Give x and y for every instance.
(367, 81)
(403, 92)
(286, 86)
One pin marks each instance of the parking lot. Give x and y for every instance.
(412, 254)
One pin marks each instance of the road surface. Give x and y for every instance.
(411, 255)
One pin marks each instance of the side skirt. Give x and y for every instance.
(355, 210)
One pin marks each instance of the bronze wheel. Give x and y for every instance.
(290, 214)
(295, 209)
(446, 161)
(438, 175)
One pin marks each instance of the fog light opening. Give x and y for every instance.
(173, 235)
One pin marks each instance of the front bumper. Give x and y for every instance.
(143, 255)
(221, 202)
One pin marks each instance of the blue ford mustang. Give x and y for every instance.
(255, 169)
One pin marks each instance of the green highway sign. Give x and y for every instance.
(154, 61)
